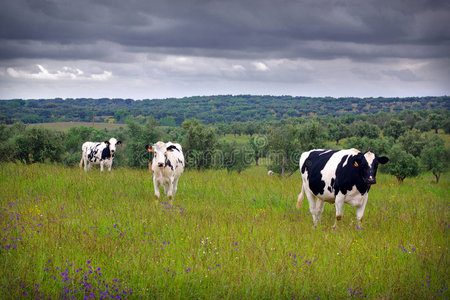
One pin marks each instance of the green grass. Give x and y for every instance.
(226, 236)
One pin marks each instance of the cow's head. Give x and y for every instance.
(160, 151)
(367, 166)
(112, 145)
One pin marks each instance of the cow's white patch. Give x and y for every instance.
(370, 157)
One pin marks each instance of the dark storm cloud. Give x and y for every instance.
(63, 29)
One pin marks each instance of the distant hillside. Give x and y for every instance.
(208, 109)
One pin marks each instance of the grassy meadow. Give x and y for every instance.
(67, 234)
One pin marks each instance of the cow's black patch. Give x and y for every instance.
(92, 155)
(106, 153)
(314, 164)
(180, 161)
(349, 176)
(172, 147)
(168, 164)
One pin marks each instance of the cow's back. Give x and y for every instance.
(92, 151)
(88, 145)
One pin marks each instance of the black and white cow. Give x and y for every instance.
(98, 153)
(167, 167)
(337, 176)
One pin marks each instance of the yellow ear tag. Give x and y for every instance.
(355, 164)
(149, 149)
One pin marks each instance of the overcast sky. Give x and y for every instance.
(145, 49)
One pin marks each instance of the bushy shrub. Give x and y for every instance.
(401, 164)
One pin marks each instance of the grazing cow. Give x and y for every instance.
(337, 176)
(98, 153)
(167, 167)
(270, 173)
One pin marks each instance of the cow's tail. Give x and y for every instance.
(300, 198)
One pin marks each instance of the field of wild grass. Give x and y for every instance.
(66, 234)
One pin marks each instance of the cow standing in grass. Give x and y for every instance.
(98, 153)
(337, 176)
(167, 167)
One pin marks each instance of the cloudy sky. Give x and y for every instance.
(145, 49)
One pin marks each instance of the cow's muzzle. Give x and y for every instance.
(160, 165)
(371, 180)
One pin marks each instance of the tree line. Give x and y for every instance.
(207, 109)
(409, 139)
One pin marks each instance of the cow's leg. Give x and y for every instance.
(156, 186)
(300, 198)
(101, 166)
(110, 165)
(169, 191)
(174, 186)
(319, 209)
(339, 203)
(86, 164)
(360, 209)
(312, 205)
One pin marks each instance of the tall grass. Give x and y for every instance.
(65, 233)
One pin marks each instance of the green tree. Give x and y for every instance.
(251, 128)
(311, 135)
(223, 129)
(435, 156)
(168, 121)
(364, 129)
(121, 115)
(338, 130)
(410, 118)
(436, 121)
(379, 146)
(6, 149)
(237, 128)
(401, 164)
(138, 137)
(446, 126)
(199, 144)
(395, 128)
(413, 142)
(283, 149)
(234, 157)
(38, 145)
(258, 144)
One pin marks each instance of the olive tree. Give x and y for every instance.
(401, 164)
(435, 156)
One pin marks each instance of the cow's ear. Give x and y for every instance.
(107, 142)
(119, 142)
(149, 148)
(383, 159)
